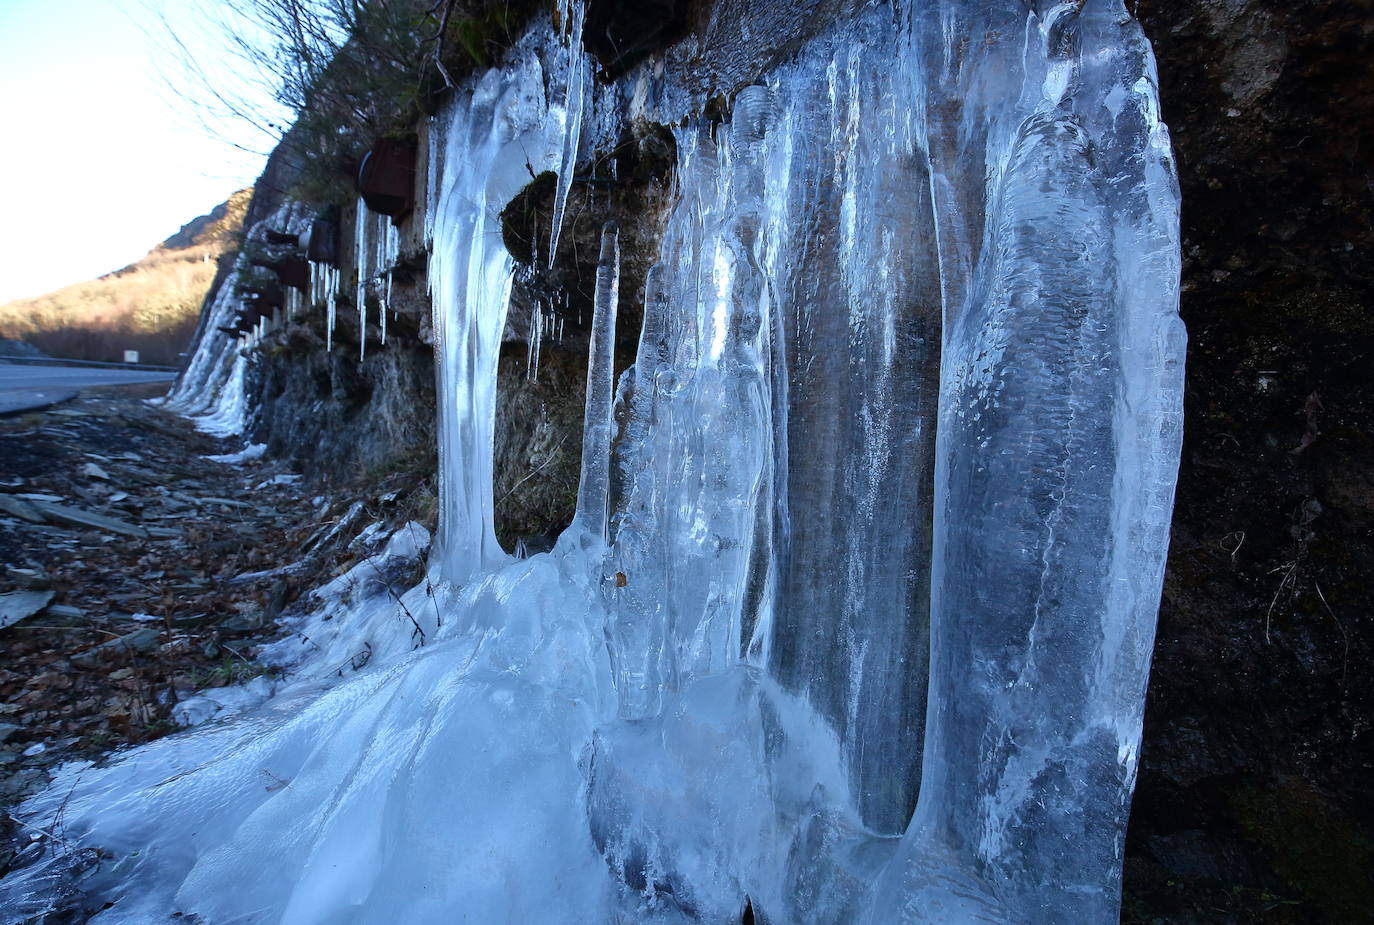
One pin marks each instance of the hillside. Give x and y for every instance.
(150, 306)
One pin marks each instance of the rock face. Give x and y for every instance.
(335, 416)
(1255, 773)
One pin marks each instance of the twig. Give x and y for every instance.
(277, 782)
(1345, 656)
(532, 473)
(1291, 567)
(371, 560)
(429, 590)
(41, 831)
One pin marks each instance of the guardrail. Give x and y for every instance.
(58, 361)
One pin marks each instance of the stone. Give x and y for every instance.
(18, 507)
(16, 605)
(7, 730)
(91, 470)
(140, 640)
(76, 517)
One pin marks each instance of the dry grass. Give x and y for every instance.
(150, 306)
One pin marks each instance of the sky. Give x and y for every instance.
(98, 161)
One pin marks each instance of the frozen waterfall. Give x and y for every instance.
(854, 620)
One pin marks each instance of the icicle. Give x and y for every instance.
(386, 305)
(362, 261)
(330, 307)
(573, 14)
(594, 487)
(532, 347)
(651, 357)
(432, 135)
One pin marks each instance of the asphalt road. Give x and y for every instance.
(26, 387)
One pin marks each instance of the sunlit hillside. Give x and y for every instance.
(150, 306)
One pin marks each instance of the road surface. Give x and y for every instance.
(24, 387)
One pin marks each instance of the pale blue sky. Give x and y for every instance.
(96, 163)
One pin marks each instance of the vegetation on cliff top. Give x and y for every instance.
(344, 73)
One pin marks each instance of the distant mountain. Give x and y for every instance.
(221, 224)
(150, 306)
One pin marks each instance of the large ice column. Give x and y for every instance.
(1058, 445)
(497, 141)
(593, 489)
(859, 303)
(693, 523)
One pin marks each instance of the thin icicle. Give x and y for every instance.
(573, 13)
(594, 488)
(331, 306)
(364, 268)
(386, 305)
(536, 339)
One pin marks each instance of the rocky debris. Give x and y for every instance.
(76, 517)
(146, 576)
(16, 506)
(131, 643)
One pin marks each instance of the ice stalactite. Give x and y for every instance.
(331, 304)
(886, 530)
(535, 343)
(376, 244)
(385, 302)
(577, 86)
(363, 266)
(212, 390)
(593, 490)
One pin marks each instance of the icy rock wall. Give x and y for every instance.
(792, 504)
(908, 381)
(213, 389)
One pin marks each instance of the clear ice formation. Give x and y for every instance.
(854, 620)
(376, 244)
(213, 390)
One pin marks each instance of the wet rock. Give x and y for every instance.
(249, 618)
(23, 783)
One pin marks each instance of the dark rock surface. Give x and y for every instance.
(1255, 801)
(340, 418)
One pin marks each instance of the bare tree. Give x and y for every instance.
(328, 76)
